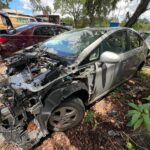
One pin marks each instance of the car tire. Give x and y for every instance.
(67, 115)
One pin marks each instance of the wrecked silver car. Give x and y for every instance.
(47, 86)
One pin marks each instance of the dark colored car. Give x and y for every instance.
(27, 35)
(48, 86)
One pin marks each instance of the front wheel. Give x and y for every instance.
(69, 114)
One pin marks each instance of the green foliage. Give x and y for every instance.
(143, 76)
(71, 7)
(142, 24)
(130, 146)
(67, 20)
(37, 6)
(86, 12)
(98, 8)
(90, 117)
(140, 115)
(4, 3)
(147, 98)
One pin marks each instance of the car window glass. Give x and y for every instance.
(72, 43)
(22, 28)
(61, 30)
(115, 43)
(45, 31)
(134, 40)
(95, 55)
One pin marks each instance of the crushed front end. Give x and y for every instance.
(18, 121)
(28, 78)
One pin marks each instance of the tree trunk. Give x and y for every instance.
(75, 22)
(142, 7)
(92, 21)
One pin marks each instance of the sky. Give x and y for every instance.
(119, 12)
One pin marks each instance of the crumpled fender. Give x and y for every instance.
(56, 97)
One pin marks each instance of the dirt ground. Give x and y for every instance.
(104, 126)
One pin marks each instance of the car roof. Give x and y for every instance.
(34, 24)
(41, 23)
(108, 28)
(105, 29)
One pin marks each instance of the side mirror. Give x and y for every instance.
(109, 57)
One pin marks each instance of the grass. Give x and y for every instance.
(146, 71)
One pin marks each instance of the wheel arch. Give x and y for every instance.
(55, 97)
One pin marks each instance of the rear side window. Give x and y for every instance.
(115, 43)
(134, 40)
(61, 30)
(45, 31)
(22, 20)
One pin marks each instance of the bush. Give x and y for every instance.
(140, 115)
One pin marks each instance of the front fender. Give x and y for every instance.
(54, 99)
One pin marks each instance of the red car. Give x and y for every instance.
(27, 35)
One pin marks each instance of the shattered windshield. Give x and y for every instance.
(70, 44)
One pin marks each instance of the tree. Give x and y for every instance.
(4, 3)
(71, 7)
(142, 7)
(67, 20)
(37, 6)
(46, 10)
(98, 8)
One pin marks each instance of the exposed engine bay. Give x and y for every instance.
(29, 76)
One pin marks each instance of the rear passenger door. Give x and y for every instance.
(132, 56)
(116, 43)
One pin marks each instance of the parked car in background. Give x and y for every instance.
(48, 18)
(5, 23)
(27, 35)
(49, 85)
(16, 18)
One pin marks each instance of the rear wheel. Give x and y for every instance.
(69, 114)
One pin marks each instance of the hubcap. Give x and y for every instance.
(63, 117)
